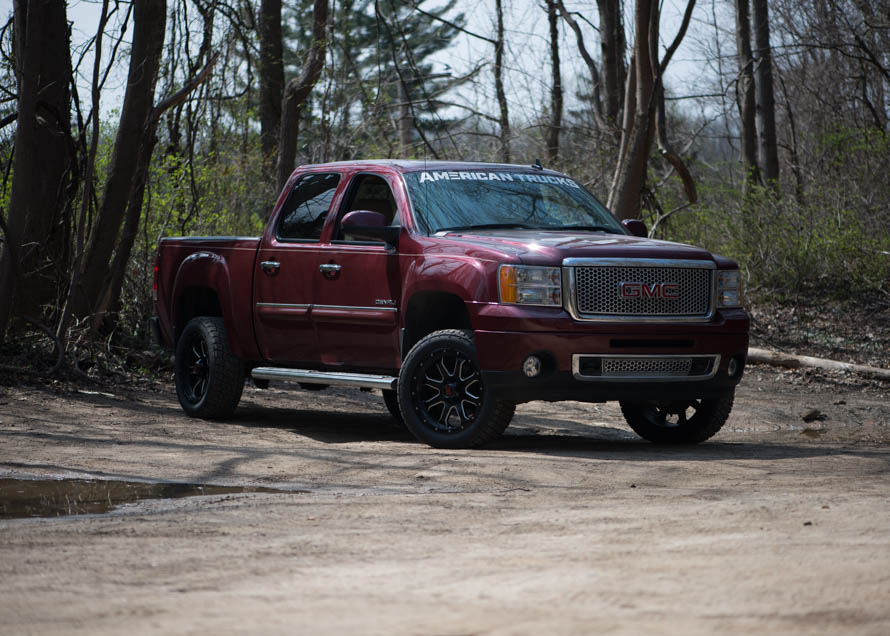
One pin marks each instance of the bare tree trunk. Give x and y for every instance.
(271, 78)
(745, 91)
(297, 91)
(504, 118)
(555, 84)
(595, 76)
(36, 229)
(149, 21)
(630, 172)
(766, 100)
(614, 46)
(117, 272)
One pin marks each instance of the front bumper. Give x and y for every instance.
(502, 354)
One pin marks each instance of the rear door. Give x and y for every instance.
(356, 306)
(286, 269)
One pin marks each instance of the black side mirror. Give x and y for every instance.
(636, 227)
(370, 225)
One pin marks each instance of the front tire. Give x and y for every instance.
(442, 398)
(209, 378)
(678, 422)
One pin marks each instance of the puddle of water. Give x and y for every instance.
(20, 498)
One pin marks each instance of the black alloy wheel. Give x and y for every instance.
(449, 388)
(195, 366)
(442, 394)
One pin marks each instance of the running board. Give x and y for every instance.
(325, 377)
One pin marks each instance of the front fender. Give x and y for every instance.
(471, 280)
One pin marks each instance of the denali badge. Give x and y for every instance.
(668, 291)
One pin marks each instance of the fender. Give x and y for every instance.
(209, 270)
(470, 279)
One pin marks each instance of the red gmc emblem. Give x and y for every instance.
(668, 291)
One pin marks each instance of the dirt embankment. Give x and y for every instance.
(569, 524)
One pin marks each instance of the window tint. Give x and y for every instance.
(371, 192)
(307, 207)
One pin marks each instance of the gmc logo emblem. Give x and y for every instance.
(668, 291)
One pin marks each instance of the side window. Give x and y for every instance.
(307, 207)
(370, 192)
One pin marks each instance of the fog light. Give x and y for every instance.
(732, 368)
(532, 367)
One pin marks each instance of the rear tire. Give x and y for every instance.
(209, 378)
(679, 422)
(442, 397)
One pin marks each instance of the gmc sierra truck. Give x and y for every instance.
(459, 290)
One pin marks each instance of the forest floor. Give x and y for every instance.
(337, 522)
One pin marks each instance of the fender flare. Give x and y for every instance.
(206, 270)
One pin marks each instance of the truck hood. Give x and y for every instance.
(537, 247)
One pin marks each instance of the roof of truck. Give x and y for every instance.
(418, 165)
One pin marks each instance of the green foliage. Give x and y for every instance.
(828, 246)
(216, 193)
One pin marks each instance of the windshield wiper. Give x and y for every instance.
(486, 226)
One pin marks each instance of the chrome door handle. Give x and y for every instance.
(270, 267)
(329, 268)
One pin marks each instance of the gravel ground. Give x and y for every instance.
(569, 524)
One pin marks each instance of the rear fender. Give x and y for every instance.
(207, 270)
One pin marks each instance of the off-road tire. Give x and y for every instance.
(391, 399)
(461, 414)
(209, 378)
(672, 423)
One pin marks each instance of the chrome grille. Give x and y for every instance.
(598, 291)
(651, 367)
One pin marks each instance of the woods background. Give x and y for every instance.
(781, 162)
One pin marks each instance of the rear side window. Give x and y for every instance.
(307, 207)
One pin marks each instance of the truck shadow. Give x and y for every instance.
(535, 435)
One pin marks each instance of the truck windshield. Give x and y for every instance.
(466, 200)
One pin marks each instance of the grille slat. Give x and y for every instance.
(598, 291)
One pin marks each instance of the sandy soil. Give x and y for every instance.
(569, 524)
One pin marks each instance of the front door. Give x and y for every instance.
(356, 306)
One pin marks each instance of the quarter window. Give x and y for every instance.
(307, 207)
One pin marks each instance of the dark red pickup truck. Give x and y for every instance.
(460, 290)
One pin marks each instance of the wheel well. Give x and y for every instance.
(196, 301)
(431, 311)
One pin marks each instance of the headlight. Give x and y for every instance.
(526, 285)
(729, 289)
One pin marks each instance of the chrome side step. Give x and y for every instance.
(325, 377)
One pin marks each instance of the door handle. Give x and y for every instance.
(329, 268)
(270, 267)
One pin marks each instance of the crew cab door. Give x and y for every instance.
(286, 270)
(355, 311)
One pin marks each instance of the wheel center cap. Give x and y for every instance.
(450, 390)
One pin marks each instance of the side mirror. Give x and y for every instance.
(636, 227)
(366, 224)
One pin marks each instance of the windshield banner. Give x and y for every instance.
(434, 177)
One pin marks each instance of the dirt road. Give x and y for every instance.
(570, 524)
